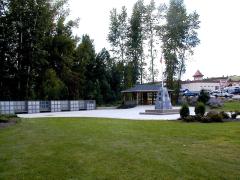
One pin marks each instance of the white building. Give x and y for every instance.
(199, 83)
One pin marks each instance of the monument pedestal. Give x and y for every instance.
(163, 105)
(160, 112)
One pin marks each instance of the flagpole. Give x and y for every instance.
(162, 70)
(162, 93)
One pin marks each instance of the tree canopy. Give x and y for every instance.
(41, 58)
(152, 31)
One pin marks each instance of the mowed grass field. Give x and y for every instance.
(231, 106)
(89, 148)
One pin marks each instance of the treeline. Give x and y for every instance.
(134, 41)
(41, 58)
(138, 41)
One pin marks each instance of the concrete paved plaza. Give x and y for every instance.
(131, 114)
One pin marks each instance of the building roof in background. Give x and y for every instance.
(218, 78)
(214, 80)
(144, 88)
(198, 74)
(200, 81)
(208, 80)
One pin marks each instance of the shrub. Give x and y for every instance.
(191, 101)
(189, 119)
(233, 115)
(202, 119)
(184, 111)
(200, 109)
(4, 119)
(205, 119)
(7, 118)
(215, 116)
(224, 115)
(196, 118)
(203, 97)
(237, 113)
(53, 86)
(215, 103)
(124, 106)
(211, 112)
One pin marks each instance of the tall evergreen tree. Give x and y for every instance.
(39, 58)
(103, 73)
(28, 24)
(31, 43)
(7, 60)
(62, 49)
(83, 65)
(33, 22)
(135, 42)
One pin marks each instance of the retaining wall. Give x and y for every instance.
(30, 107)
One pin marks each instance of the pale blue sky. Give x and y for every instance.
(218, 53)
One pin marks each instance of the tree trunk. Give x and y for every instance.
(179, 77)
(152, 59)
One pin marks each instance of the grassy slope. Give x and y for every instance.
(231, 106)
(119, 149)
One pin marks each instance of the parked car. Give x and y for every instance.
(237, 91)
(226, 95)
(232, 89)
(215, 93)
(183, 90)
(190, 93)
(221, 94)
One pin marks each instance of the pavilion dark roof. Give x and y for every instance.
(144, 88)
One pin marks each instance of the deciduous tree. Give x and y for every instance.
(135, 42)
(179, 36)
(151, 21)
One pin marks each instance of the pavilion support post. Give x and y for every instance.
(152, 97)
(137, 98)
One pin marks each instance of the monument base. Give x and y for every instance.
(160, 112)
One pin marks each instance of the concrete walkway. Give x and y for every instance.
(131, 114)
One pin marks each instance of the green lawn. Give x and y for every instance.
(231, 106)
(88, 148)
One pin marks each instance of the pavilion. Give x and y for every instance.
(142, 94)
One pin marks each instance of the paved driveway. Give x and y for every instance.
(131, 114)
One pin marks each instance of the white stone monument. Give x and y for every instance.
(163, 103)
